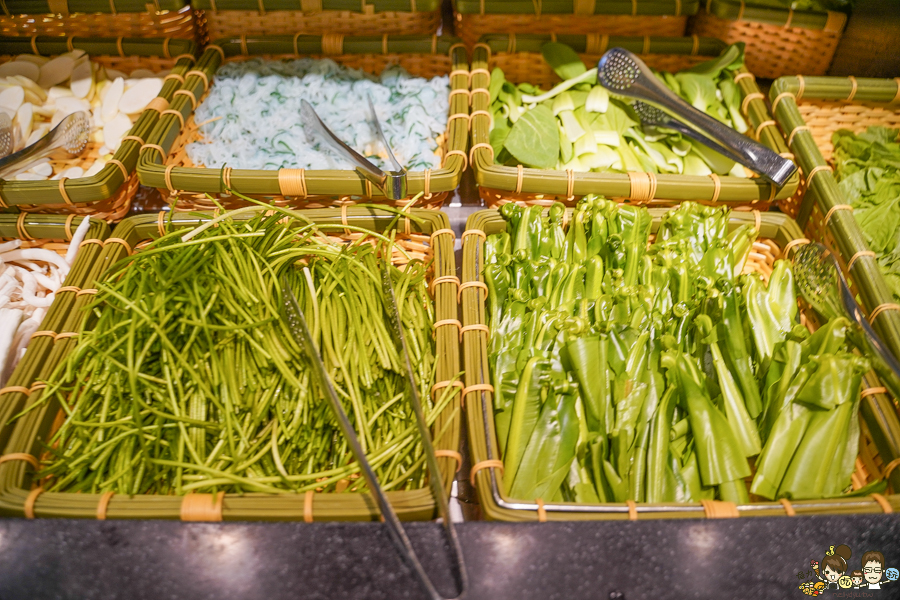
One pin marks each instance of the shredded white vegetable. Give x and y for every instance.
(251, 117)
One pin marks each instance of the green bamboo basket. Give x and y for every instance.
(106, 195)
(227, 18)
(880, 427)
(52, 232)
(17, 495)
(475, 18)
(87, 18)
(780, 41)
(809, 110)
(520, 59)
(168, 167)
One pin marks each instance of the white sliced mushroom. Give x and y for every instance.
(115, 130)
(20, 67)
(136, 98)
(56, 71)
(111, 97)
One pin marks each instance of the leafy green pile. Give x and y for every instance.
(653, 372)
(867, 167)
(578, 126)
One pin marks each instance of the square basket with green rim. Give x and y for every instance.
(88, 18)
(431, 236)
(106, 195)
(234, 18)
(167, 166)
(780, 41)
(520, 59)
(879, 424)
(52, 232)
(809, 110)
(475, 18)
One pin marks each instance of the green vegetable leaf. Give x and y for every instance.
(563, 60)
(534, 139)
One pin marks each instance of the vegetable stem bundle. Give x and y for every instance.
(186, 378)
(625, 370)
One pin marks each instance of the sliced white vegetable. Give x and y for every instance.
(72, 104)
(115, 74)
(70, 173)
(75, 54)
(20, 67)
(38, 60)
(82, 79)
(44, 169)
(42, 110)
(136, 98)
(24, 121)
(59, 91)
(115, 130)
(29, 86)
(7, 246)
(111, 97)
(39, 132)
(12, 98)
(10, 318)
(56, 71)
(47, 282)
(95, 168)
(41, 254)
(77, 238)
(20, 342)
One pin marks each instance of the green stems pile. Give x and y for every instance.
(187, 379)
(625, 370)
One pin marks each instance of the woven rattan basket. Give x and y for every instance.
(809, 110)
(880, 428)
(520, 59)
(222, 18)
(17, 495)
(90, 18)
(106, 195)
(779, 41)
(166, 165)
(52, 232)
(475, 18)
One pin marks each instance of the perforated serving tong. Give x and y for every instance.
(623, 73)
(297, 324)
(823, 286)
(391, 183)
(69, 137)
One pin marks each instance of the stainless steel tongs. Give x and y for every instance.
(391, 183)
(297, 324)
(623, 73)
(68, 138)
(822, 285)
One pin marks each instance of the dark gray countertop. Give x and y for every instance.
(736, 558)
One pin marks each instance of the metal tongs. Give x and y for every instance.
(391, 183)
(299, 329)
(623, 73)
(68, 138)
(823, 286)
